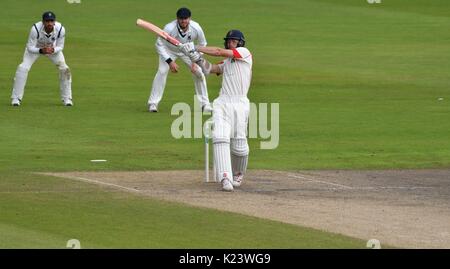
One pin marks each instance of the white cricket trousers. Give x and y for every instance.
(20, 79)
(230, 119)
(159, 82)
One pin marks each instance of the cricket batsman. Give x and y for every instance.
(231, 109)
(46, 38)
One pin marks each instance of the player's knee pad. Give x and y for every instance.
(218, 140)
(220, 130)
(163, 69)
(63, 67)
(239, 147)
(64, 72)
(23, 68)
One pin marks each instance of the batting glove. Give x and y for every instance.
(187, 48)
(195, 56)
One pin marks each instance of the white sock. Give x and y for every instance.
(222, 160)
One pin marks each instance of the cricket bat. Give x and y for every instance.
(155, 29)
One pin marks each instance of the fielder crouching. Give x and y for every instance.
(46, 38)
(231, 109)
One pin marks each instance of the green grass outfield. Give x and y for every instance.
(358, 87)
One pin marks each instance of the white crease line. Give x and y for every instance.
(323, 182)
(99, 182)
(39, 192)
(393, 188)
(361, 188)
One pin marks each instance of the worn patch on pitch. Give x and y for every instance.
(404, 208)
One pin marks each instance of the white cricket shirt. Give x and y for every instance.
(194, 33)
(39, 39)
(237, 73)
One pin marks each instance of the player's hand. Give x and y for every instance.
(187, 48)
(48, 50)
(194, 68)
(195, 56)
(205, 66)
(173, 67)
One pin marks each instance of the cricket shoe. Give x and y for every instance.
(68, 102)
(15, 102)
(152, 108)
(227, 185)
(207, 108)
(237, 180)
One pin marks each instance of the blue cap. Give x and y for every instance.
(183, 13)
(48, 16)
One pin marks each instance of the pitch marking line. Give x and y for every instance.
(322, 182)
(393, 188)
(42, 192)
(101, 183)
(362, 188)
(290, 175)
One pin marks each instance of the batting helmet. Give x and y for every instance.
(235, 34)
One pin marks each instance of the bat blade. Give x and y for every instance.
(155, 29)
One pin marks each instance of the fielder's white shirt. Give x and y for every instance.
(39, 39)
(237, 73)
(194, 33)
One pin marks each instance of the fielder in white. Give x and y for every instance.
(231, 109)
(184, 30)
(46, 38)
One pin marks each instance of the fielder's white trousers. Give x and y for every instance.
(159, 82)
(20, 79)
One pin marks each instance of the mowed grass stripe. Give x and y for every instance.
(101, 218)
(358, 86)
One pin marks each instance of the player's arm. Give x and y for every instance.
(201, 39)
(193, 52)
(32, 41)
(161, 45)
(161, 49)
(60, 39)
(208, 67)
(216, 51)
